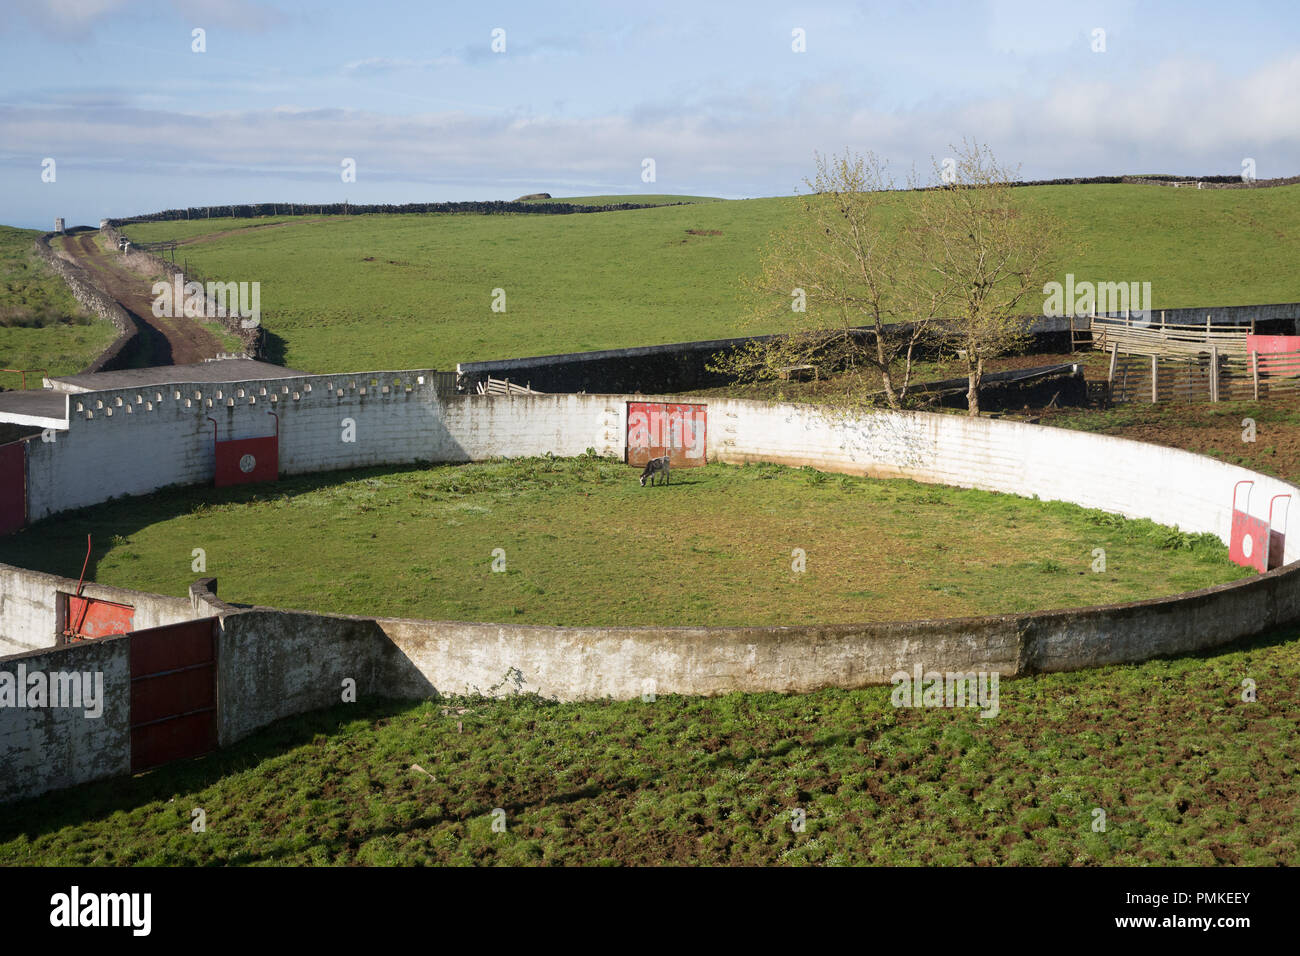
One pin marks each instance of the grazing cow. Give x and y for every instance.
(653, 467)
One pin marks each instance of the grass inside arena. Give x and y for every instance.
(416, 291)
(1185, 771)
(584, 543)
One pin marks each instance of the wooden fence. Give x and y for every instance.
(1155, 362)
(503, 386)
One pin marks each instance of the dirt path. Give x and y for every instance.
(175, 341)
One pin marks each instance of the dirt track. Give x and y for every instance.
(176, 341)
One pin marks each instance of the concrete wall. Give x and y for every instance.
(131, 441)
(47, 748)
(655, 369)
(29, 607)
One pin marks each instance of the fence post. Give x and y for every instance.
(1155, 375)
(1214, 373)
(1254, 371)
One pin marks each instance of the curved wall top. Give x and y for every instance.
(131, 441)
(163, 436)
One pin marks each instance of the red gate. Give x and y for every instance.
(13, 486)
(1255, 542)
(85, 619)
(242, 461)
(655, 429)
(173, 692)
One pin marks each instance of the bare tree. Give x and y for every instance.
(986, 256)
(844, 265)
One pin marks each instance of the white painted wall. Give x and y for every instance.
(138, 448)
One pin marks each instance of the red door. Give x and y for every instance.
(13, 486)
(655, 429)
(173, 692)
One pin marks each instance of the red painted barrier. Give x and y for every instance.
(85, 619)
(173, 692)
(243, 461)
(246, 460)
(1249, 544)
(1269, 344)
(655, 429)
(13, 486)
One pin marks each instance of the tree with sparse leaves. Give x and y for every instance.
(987, 257)
(839, 288)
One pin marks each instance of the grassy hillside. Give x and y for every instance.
(41, 324)
(1185, 771)
(350, 293)
(648, 200)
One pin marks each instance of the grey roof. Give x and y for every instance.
(222, 370)
(36, 402)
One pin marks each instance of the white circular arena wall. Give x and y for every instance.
(274, 663)
(133, 441)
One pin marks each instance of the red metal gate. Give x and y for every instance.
(1256, 542)
(655, 429)
(85, 619)
(13, 486)
(173, 692)
(242, 461)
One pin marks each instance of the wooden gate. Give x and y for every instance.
(173, 692)
(655, 429)
(13, 486)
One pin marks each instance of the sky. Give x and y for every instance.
(576, 96)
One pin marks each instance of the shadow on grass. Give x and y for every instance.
(90, 802)
(99, 800)
(57, 545)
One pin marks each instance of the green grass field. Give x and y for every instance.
(586, 544)
(41, 325)
(365, 292)
(1184, 770)
(650, 199)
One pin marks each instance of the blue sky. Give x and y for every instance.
(413, 92)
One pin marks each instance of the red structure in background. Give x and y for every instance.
(13, 486)
(1254, 542)
(1272, 344)
(243, 461)
(655, 429)
(1275, 355)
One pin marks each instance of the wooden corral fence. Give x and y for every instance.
(503, 386)
(1156, 362)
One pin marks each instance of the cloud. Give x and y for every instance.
(1178, 117)
(381, 65)
(74, 19)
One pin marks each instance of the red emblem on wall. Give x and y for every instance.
(244, 461)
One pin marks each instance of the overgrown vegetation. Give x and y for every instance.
(1186, 772)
